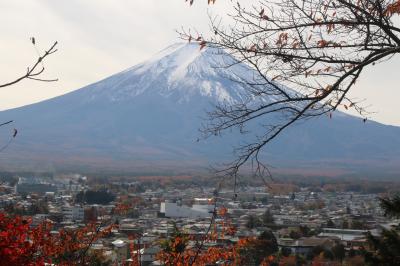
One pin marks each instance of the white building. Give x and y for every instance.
(343, 234)
(121, 250)
(146, 256)
(73, 213)
(201, 209)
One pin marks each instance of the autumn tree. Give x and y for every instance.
(22, 244)
(307, 55)
(183, 250)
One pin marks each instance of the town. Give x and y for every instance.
(303, 220)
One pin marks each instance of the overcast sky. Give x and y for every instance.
(98, 38)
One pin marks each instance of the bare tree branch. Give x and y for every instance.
(307, 56)
(32, 73)
(36, 69)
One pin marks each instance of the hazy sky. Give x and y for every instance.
(98, 38)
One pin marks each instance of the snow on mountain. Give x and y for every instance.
(148, 116)
(182, 71)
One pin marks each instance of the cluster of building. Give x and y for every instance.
(300, 220)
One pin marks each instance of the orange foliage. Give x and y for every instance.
(288, 261)
(179, 251)
(393, 8)
(22, 245)
(126, 203)
(281, 189)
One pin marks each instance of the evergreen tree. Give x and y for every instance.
(258, 249)
(385, 249)
(339, 252)
(268, 218)
(253, 222)
(330, 224)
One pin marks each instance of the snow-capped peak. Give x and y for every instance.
(178, 56)
(182, 71)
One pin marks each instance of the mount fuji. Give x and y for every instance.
(146, 119)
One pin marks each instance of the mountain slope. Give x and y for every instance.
(148, 116)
